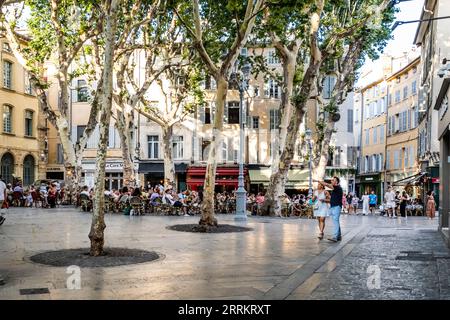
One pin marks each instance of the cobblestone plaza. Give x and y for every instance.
(378, 258)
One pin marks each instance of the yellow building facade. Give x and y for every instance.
(402, 123)
(21, 134)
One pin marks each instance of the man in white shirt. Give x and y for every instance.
(389, 198)
(2, 199)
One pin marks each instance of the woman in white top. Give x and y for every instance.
(321, 198)
(365, 199)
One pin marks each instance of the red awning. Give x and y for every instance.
(220, 171)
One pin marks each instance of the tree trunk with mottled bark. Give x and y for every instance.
(278, 179)
(122, 122)
(169, 167)
(96, 235)
(320, 167)
(208, 218)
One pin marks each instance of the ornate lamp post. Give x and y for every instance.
(308, 136)
(241, 194)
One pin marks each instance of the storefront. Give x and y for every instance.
(443, 177)
(226, 178)
(369, 183)
(113, 174)
(55, 172)
(153, 173)
(297, 182)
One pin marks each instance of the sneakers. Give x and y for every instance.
(2, 219)
(332, 239)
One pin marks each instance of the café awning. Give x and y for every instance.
(297, 178)
(410, 181)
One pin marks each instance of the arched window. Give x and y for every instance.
(7, 167)
(7, 119)
(28, 170)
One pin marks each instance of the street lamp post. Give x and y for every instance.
(241, 194)
(308, 134)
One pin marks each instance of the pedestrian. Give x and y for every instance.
(365, 200)
(431, 205)
(3, 198)
(335, 206)
(373, 200)
(389, 198)
(321, 201)
(403, 202)
(349, 202)
(344, 203)
(355, 202)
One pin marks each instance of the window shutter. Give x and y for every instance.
(225, 113)
(213, 111)
(202, 114)
(230, 149)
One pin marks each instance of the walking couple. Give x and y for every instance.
(328, 205)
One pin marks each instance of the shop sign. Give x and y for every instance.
(435, 180)
(369, 179)
(114, 165)
(54, 169)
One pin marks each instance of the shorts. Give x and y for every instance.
(372, 205)
(390, 205)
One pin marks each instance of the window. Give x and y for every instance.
(59, 154)
(273, 89)
(7, 119)
(416, 116)
(414, 87)
(397, 96)
(274, 119)
(337, 156)
(411, 156)
(350, 156)
(396, 159)
(255, 122)
(82, 91)
(405, 92)
(210, 83)
(28, 123)
(256, 91)
(409, 119)
(366, 164)
(7, 167)
(380, 163)
(328, 86)
(153, 147)
(28, 170)
(7, 74)
(382, 133)
(80, 131)
(272, 57)
(405, 157)
(375, 135)
(6, 47)
(28, 87)
(233, 112)
(207, 116)
(177, 145)
(224, 151)
(379, 107)
(350, 120)
(367, 136)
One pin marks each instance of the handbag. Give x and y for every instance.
(316, 205)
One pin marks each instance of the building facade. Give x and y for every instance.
(22, 133)
(373, 100)
(431, 36)
(402, 124)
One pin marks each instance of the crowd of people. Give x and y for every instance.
(147, 199)
(46, 195)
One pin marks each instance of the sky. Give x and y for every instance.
(403, 34)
